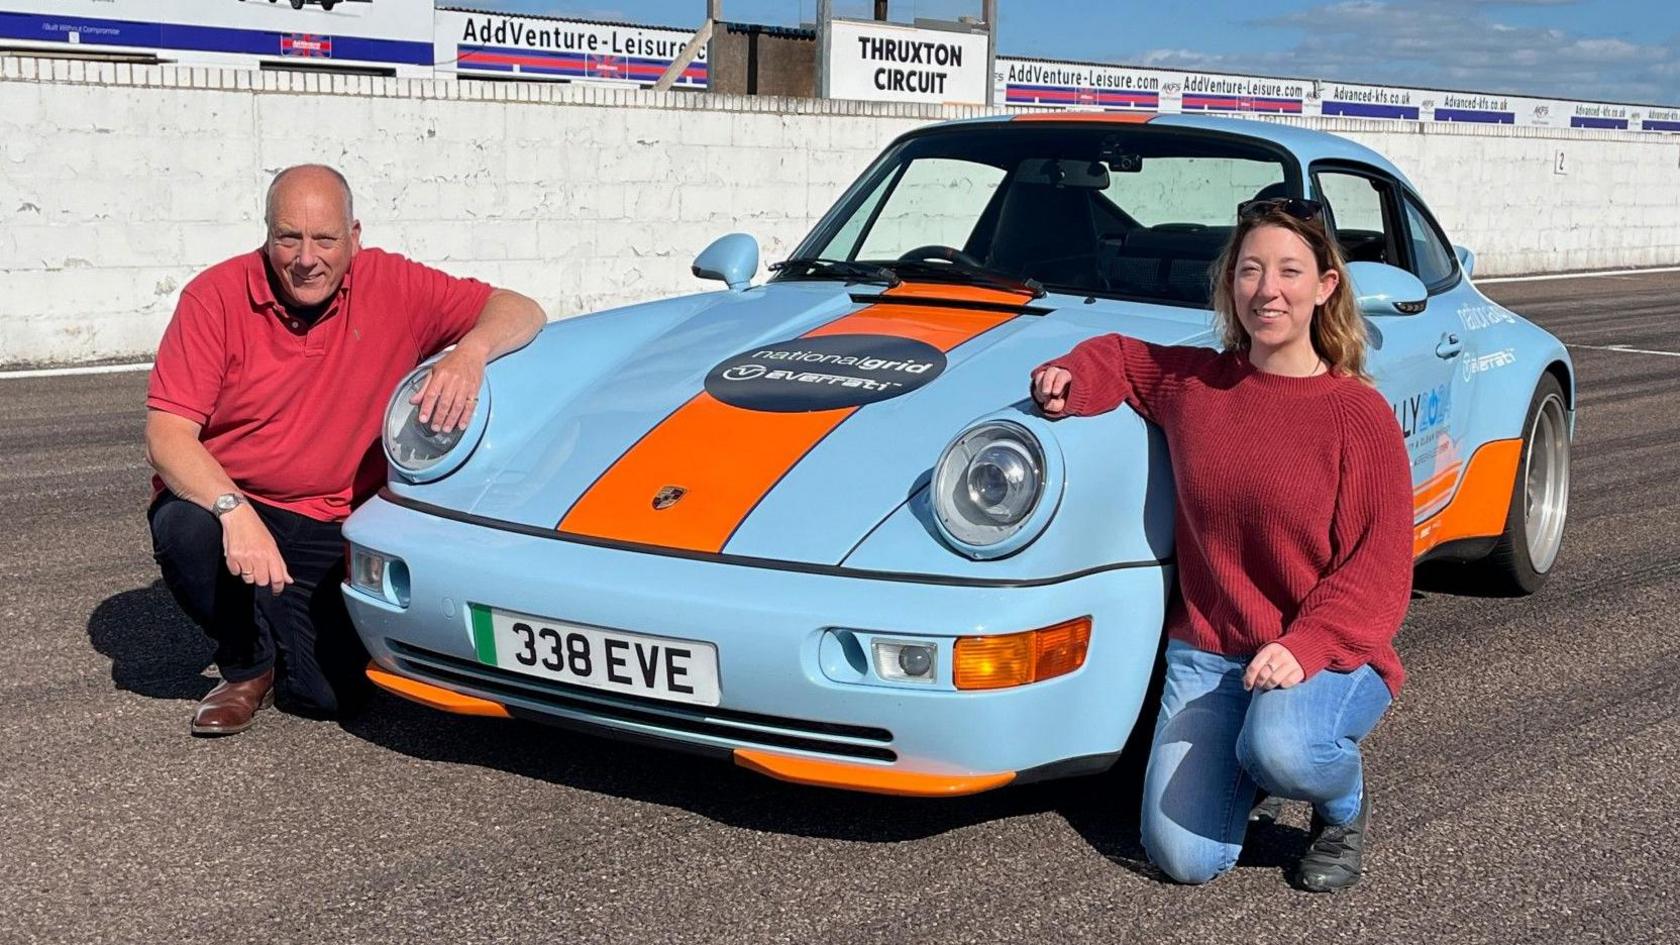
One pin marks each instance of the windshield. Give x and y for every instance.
(1131, 212)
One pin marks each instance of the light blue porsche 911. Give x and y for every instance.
(817, 526)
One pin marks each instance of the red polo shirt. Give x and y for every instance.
(292, 411)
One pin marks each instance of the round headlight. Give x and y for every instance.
(987, 483)
(414, 448)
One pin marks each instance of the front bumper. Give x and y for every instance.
(782, 712)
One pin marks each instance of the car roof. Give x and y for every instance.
(1307, 144)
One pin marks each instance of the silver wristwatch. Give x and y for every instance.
(227, 503)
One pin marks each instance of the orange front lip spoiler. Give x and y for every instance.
(867, 778)
(435, 697)
(810, 771)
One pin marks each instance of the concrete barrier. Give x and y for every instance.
(119, 182)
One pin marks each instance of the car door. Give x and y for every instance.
(1414, 358)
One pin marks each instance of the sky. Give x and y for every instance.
(1609, 50)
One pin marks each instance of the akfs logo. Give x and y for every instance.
(306, 46)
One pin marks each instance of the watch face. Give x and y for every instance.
(226, 503)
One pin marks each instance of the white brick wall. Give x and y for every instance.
(118, 183)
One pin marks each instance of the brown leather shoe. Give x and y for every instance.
(231, 707)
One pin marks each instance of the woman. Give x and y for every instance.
(1294, 538)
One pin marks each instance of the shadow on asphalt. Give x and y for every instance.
(157, 652)
(154, 649)
(1101, 808)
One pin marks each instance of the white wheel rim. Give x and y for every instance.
(1546, 484)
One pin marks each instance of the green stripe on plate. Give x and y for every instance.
(484, 636)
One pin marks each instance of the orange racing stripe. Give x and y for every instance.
(1119, 118)
(1482, 502)
(728, 458)
(1436, 488)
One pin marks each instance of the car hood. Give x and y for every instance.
(784, 422)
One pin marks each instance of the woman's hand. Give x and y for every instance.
(1274, 667)
(1050, 390)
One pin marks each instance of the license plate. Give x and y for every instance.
(632, 663)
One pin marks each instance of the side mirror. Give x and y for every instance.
(1466, 260)
(1381, 289)
(731, 259)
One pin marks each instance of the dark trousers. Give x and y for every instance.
(303, 633)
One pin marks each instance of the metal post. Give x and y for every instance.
(825, 13)
(989, 11)
(714, 13)
(702, 37)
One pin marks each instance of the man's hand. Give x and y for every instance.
(1274, 667)
(450, 394)
(250, 550)
(1050, 390)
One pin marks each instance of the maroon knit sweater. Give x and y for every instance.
(1294, 519)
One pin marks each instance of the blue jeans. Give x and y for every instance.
(1215, 742)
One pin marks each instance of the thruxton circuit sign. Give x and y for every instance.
(885, 62)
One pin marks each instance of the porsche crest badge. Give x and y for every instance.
(667, 497)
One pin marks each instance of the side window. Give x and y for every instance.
(1356, 204)
(1432, 259)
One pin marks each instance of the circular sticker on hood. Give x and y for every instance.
(824, 373)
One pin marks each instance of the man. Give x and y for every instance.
(263, 426)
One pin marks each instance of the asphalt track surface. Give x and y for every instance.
(1524, 783)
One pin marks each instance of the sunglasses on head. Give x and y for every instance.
(1293, 206)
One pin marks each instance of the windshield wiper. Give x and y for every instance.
(957, 271)
(815, 267)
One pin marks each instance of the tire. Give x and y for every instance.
(328, 4)
(297, 4)
(1528, 549)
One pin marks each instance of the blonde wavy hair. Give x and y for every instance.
(1338, 331)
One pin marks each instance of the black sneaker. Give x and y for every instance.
(1334, 859)
(1265, 810)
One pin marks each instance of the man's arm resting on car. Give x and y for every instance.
(508, 322)
(189, 471)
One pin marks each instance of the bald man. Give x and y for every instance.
(263, 420)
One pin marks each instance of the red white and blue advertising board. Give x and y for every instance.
(1050, 84)
(389, 35)
(532, 47)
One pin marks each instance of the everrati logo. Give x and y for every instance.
(1488, 362)
(824, 373)
(667, 497)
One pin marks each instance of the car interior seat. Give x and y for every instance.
(1046, 232)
